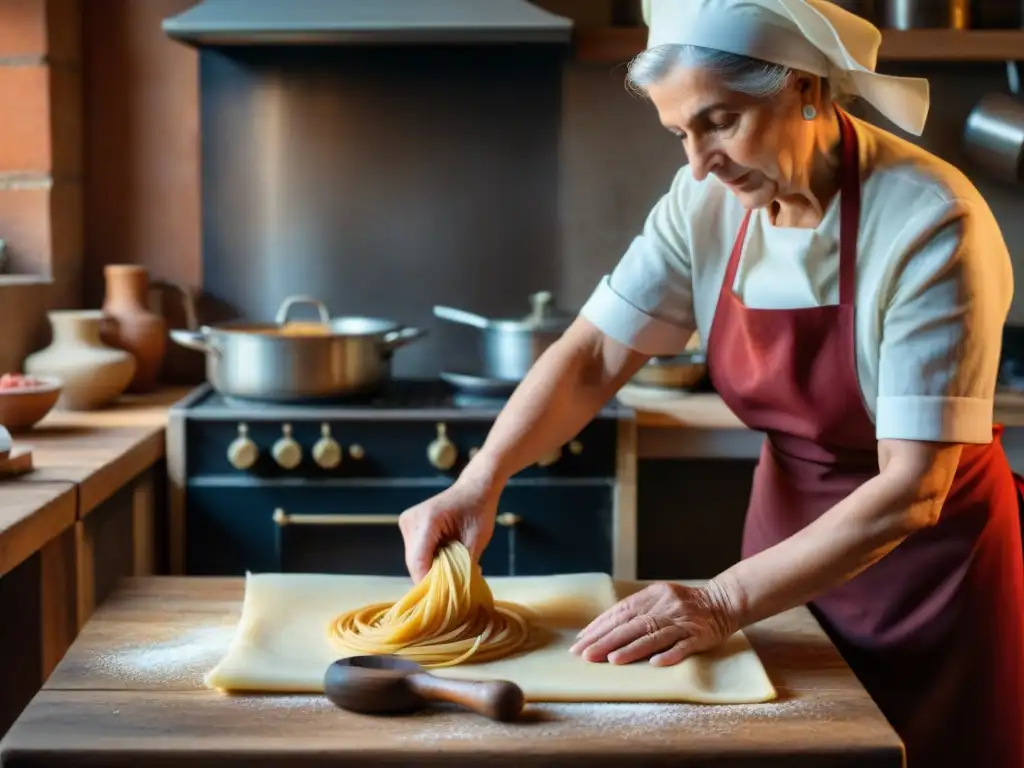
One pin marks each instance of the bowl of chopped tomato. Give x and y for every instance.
(25, 400)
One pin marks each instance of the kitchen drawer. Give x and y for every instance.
(549, 527)
(387, 449)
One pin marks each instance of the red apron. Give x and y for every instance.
(935, 630)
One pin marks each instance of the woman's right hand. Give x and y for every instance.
(464, 512)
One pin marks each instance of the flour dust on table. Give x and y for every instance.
(180, 660)
(283, 643)
(629, 719)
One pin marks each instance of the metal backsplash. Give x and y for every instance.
(382, 181)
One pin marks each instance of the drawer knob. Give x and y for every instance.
(442, 452)
(508, 519)
(357, 452)
(287, 453)
(242, 452)
(575, 447)
(326, 452)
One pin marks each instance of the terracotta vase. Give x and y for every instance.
(93, 374)
(132, 326)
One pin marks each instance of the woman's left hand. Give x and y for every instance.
(667, 622)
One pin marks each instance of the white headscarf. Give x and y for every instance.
(815, 36)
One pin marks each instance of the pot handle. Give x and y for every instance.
(401, 337)
(197, 340)
(461, 316)
(291, 301)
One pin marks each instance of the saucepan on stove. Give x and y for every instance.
(297, 360)
(512, 345)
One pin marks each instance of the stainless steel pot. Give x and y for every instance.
(512, 346)
(290, 361)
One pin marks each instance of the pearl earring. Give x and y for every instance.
(809, 112)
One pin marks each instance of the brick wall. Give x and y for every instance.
(40, 168)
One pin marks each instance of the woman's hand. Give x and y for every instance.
(667, 622)
(464, 512)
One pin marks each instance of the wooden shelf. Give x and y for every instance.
(618, 45)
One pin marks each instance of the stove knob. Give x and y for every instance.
(357, 452)
(575, 447)
(242, 453)
(287, 453)
(549, 459)
(327, 452)
(442, 452)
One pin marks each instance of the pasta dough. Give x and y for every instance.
(449, 618)
(281, 645)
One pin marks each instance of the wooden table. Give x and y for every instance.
(129, 693)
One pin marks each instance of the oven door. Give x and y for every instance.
(542, 528)
(339, 543)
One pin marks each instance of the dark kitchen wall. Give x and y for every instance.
(142, 180)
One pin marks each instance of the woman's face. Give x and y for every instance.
(760, 148)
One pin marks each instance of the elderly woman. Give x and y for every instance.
(851, 290)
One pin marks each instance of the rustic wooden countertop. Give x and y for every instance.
(129, 692)
(81, 459)
(704, 410)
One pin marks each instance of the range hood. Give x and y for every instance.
(366, 22)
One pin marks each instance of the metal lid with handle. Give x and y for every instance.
(544, 316)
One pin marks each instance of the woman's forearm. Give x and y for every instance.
(850, 537)
(568, 384)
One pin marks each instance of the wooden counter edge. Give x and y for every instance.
(54, 513)
(148, 414)
(47, 529)
(114, 475)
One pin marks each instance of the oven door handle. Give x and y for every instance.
(282, 518)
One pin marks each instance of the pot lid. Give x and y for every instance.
(361, 22)
(543, 316)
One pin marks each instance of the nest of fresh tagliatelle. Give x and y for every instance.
(448, 618)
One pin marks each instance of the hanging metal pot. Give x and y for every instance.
(994, 134)
(294, 361)
(511, 346)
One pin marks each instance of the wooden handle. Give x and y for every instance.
(496, 699)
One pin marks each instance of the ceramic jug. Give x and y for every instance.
(133, 327)
(93, 374)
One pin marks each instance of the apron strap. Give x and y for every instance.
(849, 209)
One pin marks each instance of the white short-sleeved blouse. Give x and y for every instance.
(934, 283)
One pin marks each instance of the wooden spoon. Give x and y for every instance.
(376, 685)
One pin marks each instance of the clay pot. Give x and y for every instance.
(93, 374)
(132, 326)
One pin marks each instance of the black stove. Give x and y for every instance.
(318, 486)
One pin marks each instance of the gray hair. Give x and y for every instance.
(741, 74)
